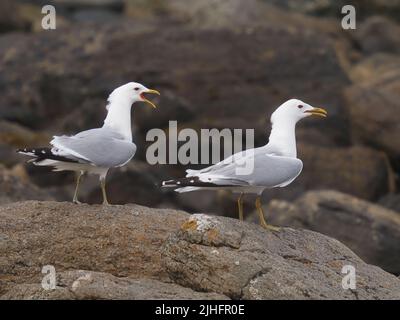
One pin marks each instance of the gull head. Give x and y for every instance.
(132, 92)
(295, 110)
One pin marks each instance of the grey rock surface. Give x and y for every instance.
(83, 285)
(391, 201)
(244, 261)
(370, 230)
(69, 74)
(134, 252)
(16, 188)
(122, 240)
(341, 169)
(376, 83)
(378, 34)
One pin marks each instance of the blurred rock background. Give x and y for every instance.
(218, 64)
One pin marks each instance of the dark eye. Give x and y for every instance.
(137, 88)
(300, 106)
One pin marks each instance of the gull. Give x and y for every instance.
(271, 166)
(95, 151)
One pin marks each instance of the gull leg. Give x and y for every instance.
(240, 206)
(78, 180)
(260, 212)
(103, 189)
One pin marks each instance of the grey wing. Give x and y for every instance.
(277, 171)
(218, 166)
(101, 147)
(255, 168)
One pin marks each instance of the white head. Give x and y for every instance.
(295, 110)
(130, 93)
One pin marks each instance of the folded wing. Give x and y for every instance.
(101, 147)
(248, 168)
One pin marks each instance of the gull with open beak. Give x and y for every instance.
(254, 170)
(97, 150)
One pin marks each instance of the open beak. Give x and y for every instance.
(148, 101)
(317, 112)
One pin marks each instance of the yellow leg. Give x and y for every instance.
(78, 180)
(103, 190)
(240, 207)
(260, 212)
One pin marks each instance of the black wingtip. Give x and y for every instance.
(24, 151)
(40, 154)
(168, 183)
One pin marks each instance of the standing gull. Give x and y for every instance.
(273, 165)
(97, 150)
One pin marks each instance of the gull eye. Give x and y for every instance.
(300, 106)
(137, 89)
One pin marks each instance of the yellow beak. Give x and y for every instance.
(148, 101)
(318, 112)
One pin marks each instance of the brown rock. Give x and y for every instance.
(378, 70)
(333, 7)
(8, 156)
(372, 231)
(136, 252)
(359, 171)
(16, 135)
(14, 188)
(11, 17)
(373, 103)
(84, 285)
(123, 241)
(224, 14)
(391, 201)
(116, 5)
(378, 34)
(247, 74)
(216, 254)
(36, 292)
(367, 126)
